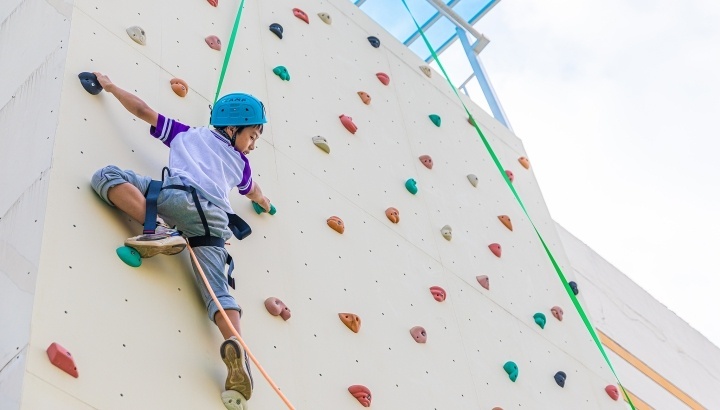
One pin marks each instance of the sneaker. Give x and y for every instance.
(235, 358)
(234, 400)
(165, 240)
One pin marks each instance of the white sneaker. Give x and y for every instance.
(165, 240)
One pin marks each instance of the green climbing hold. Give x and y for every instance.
(512, 370)
(282, 72)
(129, 255)
(411, 186)
(540, 320)
(435, 119)
(260, 209)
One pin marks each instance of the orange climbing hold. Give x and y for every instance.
(213, 3)
(438, 293)
(213, 42)
(62, 359)
(384, 78)
(510, 175)
(351, 320)
(484, 281)
(336, 224)
(361, 393)
(496, 249)
(505, 221)
(393, 215)
(301, 15)
(276, 307)
(427, 161)
(419, 334)
(179, 86)
(365, 97)
(524, 162)
(348, 123)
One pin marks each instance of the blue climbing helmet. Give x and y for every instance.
(237, 109)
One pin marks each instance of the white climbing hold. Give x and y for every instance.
(473, 179)
(426, 70)
(321, 143)
(446, 232)
(234, 400)
(325, 17)
(137, 34)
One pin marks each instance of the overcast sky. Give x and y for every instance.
(617, 103)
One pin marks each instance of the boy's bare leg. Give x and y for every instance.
(128, 199)
(234, 317)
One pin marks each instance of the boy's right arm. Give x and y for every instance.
(130, 101)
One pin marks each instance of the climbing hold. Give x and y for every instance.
(129, 255)
(234, 400)
(573, 287)
(213, 3)
(560, 378)
(612, 391)
(325, 18)
(348, 123)
(418, 333)
(411, 186)
(497, 408)
(258, 209)
(540, 320)
(512, 370)
(524, 162)
(276, 307)
(496, 249)
(435, 119)
(510, 175)
(361, 393)
(557, 312)
(426, 70)
(446, 232)
(427, 161)
(505, 221)
(473, 179)
(321, 143)
(393, 215)
(351, 320)
(365, 97)
(277, 29)
(179, 86)
(336, 224)
(438, 293)
(301, 15)
(213, 42)
(282, 72)
(374, 41)
(471, 121)
(90, 83)
(62, 359)
(136, 34)
(484, 281)
(384, 78)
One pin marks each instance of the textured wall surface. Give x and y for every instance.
(140, 337)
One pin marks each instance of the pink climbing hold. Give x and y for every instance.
(62, 359)
(612, 391)
(384, 78)
(276, 307)
(557, 312)
(213, 42)
(361, 393)
(496, 249)
(524, 162)
(348, 123)
(301, 15)
(365, 97)
(427, 161)
(419, 334)
(438, 293)
(505, 221)
(213, 3)
(510, 175)
(484, 281)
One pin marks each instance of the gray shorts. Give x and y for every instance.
(178, 209)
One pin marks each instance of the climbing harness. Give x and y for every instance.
(237, 225)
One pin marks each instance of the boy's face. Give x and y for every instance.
(245, 140)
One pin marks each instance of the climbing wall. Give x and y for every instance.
(140, 337)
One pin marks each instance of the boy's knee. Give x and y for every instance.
(105, 178)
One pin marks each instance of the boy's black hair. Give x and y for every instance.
(224, 133)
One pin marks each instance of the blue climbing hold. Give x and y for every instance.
(259, 209)
(512, 370)
(374, 41)
(574, 287)
(540, 320)
(560, 378)
(277, 29)
(90, 83)
(129, 255)
(435, 119)
(411, 186)
(282, 72)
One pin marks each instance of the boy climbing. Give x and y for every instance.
(204, 166)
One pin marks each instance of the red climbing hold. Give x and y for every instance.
(510, 175)
(213, 42)
(365, 97)
(213, 3)
(276, 307)
(612, 391)
(179, 86)
(427, 161)
(336, 224)
(384, 78)
(301, 15)
(393, 215)
(438, 293)
(524, 162)
(62, 359)
(484, 281)
(495, 249)
(351, 320)
(505, 221)
(419, 334)
(348, 123)
(361, 393)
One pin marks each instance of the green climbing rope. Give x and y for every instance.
(231, 43)
(500, 168)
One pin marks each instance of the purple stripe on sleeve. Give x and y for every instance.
(246, 183)
(166, 129)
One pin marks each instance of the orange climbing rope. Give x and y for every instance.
(232, 328)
